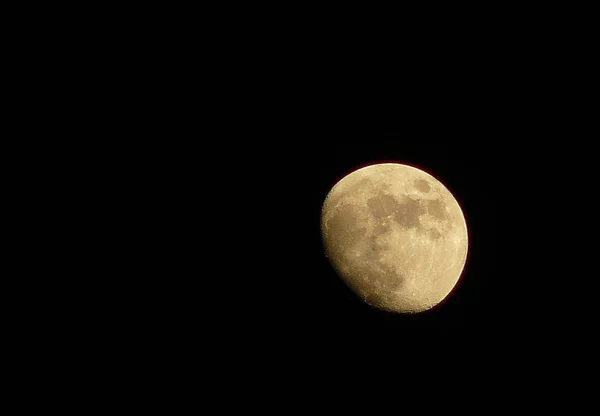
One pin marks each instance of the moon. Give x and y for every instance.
(396, 236)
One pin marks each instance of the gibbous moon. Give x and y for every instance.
(396, 236)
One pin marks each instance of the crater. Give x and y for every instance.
(434, 234)
(422, 185)
(374, 249)
(372, 252)
(374, 299)
(381, 229)
(343, 226)
(382, 205)
(407, 214)
(349, 190)
(391, 280)
(436, 208)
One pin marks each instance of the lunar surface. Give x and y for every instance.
(396, 236)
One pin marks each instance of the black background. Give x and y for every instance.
(234, 264)
(218, 201)
(216, 215)
(220, 251)
(253, 270)
(183, 217)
